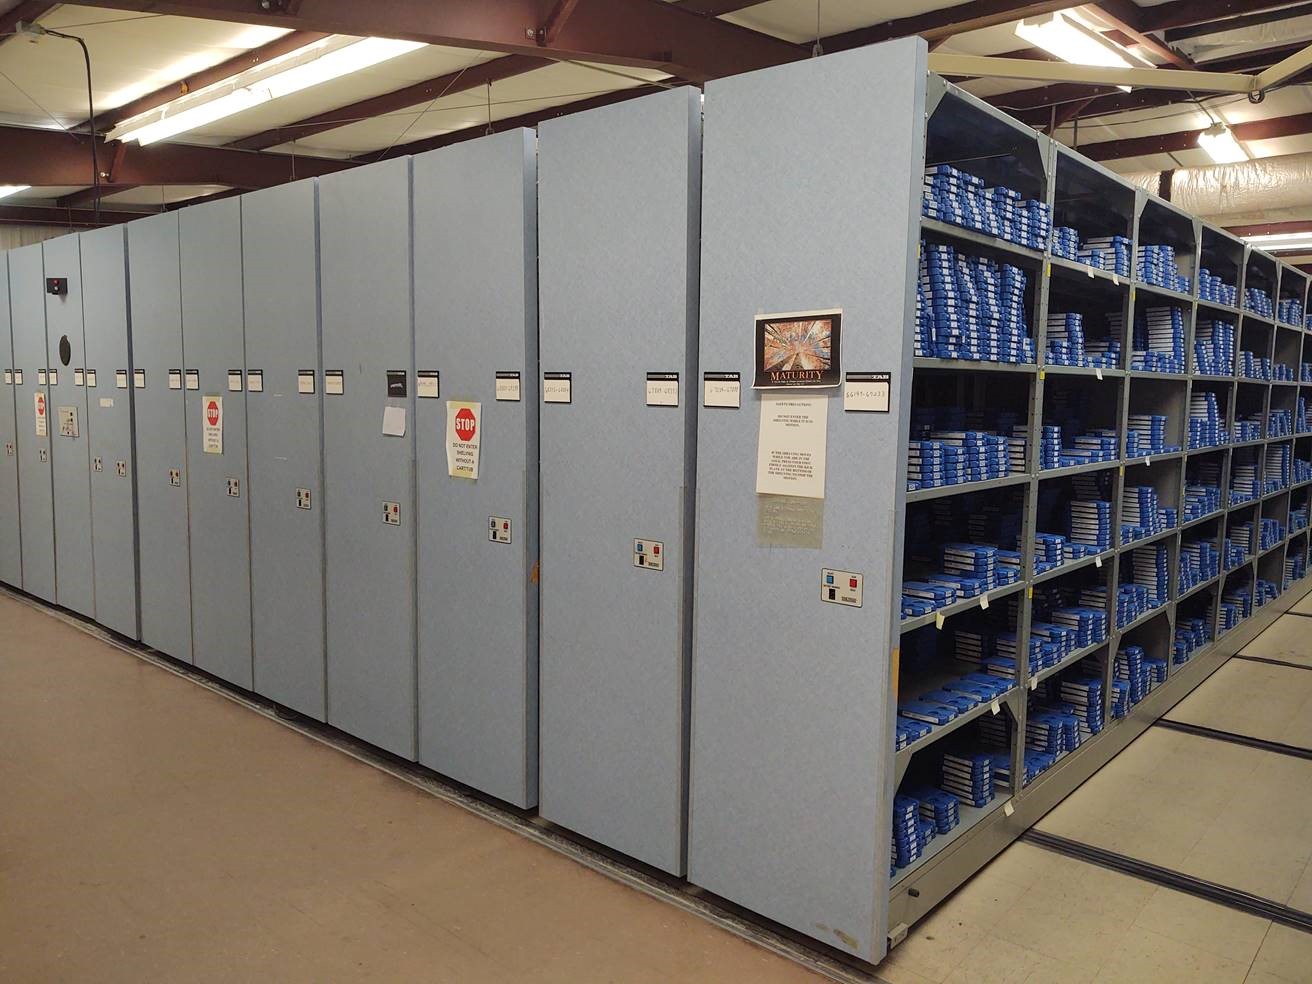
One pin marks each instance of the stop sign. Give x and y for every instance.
(212, 413)
(465, 424)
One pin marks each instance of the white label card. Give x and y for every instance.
(79, 377)
(305, 381)
(106, 402)
(722, 389)
(428, 384)
(234, 380)
(121, 378)
(334, 383)
(193, 379)
(662, 389)
(91, 377)
(508, 387)
(867, 392)
(175, 379)
(54, 377)
(41, 377)
(255, 381)
(557, 387)
(9, 377)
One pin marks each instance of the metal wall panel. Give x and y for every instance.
(11, 556)
(792, 713)
(109, 422)
(284, 433)
(618, 213)
(213, 336)
(35, 489)
(75, 581)
(475, 208)
(161, 434)
(364, 254)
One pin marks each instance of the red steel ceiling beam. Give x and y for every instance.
(638, 33)
(714, 8)
(74, 218)
(27, 11)
(1126, 17)
(1270, 228)
(1169, 143)
(472, 77)
(52, 157)
(276, 48)
(510, 123)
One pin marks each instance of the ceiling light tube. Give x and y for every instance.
(1219, 142)
(329, 59)
(1073, 42)
(7, 190)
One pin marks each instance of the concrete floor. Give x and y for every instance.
(151, 830)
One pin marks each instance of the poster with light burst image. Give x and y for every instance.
(798, 350)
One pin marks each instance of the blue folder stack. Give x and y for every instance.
(1290, 311)
(1214, 348)
(1206, 423)
(968, 776)
(1156, 264)
(1258, 301)
(1213, 288)
(1158, 339)
(954, 196)
(1200, 500)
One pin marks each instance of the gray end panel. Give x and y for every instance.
(214, 343)
(161, 434)
(792, 729)
(109, 421)
(75, 582)
(364, 252)
(618, 206)
(475, 212)
(11, 556)
(284, 443)
(27, 292)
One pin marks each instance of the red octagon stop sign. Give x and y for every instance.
(465, 424)
(212, 413)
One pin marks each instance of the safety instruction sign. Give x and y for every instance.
(39, 401)
(212, 424)
(464, 422)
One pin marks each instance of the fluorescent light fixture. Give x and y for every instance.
(1277, 242)
(7, 190)
(313, 65)
(1075, 42)
(1218, 140)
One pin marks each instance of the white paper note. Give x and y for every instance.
(394, 421)
(790, 451)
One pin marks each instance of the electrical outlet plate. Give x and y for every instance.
(97, 464)
(121, 469)
(302, 498)
(234, 488)
(175, 477)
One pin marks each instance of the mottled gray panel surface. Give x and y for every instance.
(75, 583)
(11, 555)
(214, 342)
(811, 187)
(109, 419)
(364, 252)
(284, 443)
(27, 307)
(154, 292)
(475, 208)
(618, 200)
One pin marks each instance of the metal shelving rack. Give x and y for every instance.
(1097, 201)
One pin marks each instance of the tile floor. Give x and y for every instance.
(153, 831)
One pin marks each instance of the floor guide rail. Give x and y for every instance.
(1272, 662)
(1262, 744)
(1168, 878)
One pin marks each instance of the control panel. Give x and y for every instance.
(498, 529)
(841, 587)
(649, 554)
(392, 513)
